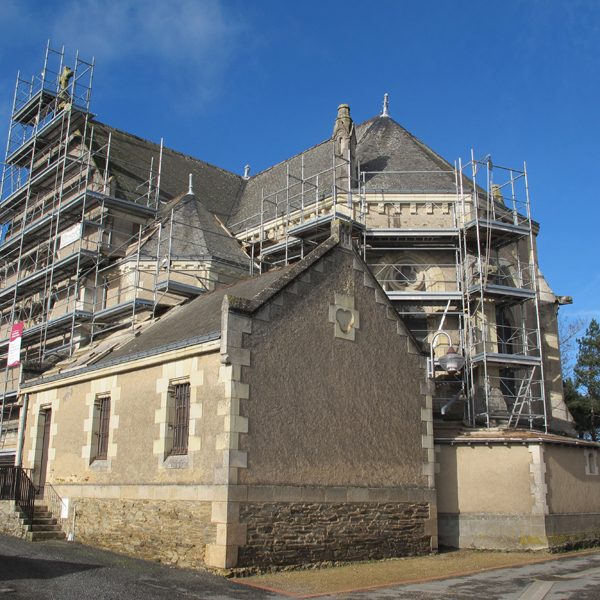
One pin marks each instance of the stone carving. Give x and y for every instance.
(344, 316)
(345, 319)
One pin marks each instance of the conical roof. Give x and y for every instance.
(191, 232)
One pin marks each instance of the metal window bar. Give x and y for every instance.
(181, 421)
(103, 406)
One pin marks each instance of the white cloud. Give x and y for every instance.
(177, 29)
(184, 42)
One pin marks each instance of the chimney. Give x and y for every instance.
(247, 172)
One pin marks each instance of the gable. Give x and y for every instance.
(334, 383)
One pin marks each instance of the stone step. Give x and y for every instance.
(43, 518)
(38, 520)
(40, 536)
(45, 527)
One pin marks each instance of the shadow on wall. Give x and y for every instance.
(447, 498)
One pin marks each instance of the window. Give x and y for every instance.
(101, 428)
(179, 400)
(591, 462)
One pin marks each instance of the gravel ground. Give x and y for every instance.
(402, 572)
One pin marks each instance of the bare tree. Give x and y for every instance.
(569, 328)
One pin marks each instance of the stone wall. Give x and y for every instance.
(172, 532)
(300, 533)
(9, 520)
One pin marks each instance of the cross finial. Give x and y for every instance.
(386, 105)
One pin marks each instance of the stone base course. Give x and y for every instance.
(174, 532)
(9, 520)
(301, 533)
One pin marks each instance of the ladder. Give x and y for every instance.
(522, 396)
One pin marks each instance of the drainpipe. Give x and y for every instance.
(21, 440)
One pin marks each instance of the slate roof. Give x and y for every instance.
(197, 235)
(199, 318)
(382, 145)
(268, 187)
(195, 322)
(130, 161)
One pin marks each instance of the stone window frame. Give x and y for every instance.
(591, 462)
(178, 372)
(102, 387)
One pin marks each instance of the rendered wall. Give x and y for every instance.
(573, 496)
(339, 449)
(489, 497)
(135, 501)
(517, 496)
(339, 412)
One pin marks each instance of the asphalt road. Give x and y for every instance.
(70, 571)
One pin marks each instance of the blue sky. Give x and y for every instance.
(235, 82)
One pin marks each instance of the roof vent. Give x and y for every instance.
(247, 172)
(386, 106)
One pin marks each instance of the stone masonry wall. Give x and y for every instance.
(300, 533)
(9, 520)
(173, 532)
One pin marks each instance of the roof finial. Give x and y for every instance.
(386, 105)
(247, 172)
(190, 189)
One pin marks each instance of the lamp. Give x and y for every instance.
(452, 362)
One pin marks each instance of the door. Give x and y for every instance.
(45, 421)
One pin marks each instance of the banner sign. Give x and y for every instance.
(14, 345)
(70, 235)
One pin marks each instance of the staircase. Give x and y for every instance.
(43, 526)
(35, 521)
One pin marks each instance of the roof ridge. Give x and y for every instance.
(168, 148)
(282, 162)
(372, 121)
(288, 275)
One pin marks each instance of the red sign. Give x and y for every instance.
(14, 345)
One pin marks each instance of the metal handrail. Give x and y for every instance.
(56, 505)
(16, 485)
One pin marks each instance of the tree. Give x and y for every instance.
(583, 394)
(569, 328)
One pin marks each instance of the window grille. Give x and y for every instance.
(103, 407)
(181, 421)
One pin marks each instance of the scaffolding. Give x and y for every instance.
(81, 254)
(296, 217)
(458, 257)
(504, 361)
